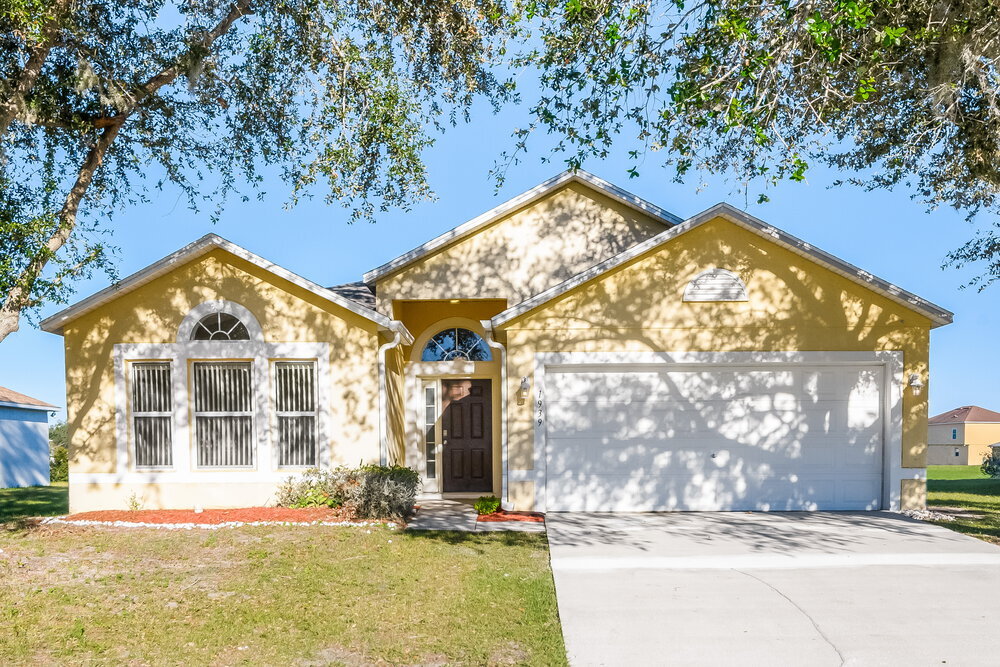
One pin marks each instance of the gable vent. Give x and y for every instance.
(716, 285)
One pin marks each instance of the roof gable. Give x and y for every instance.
(964, 414)
(11, 398)
(522, 200)
(190, 252)
(938, 316)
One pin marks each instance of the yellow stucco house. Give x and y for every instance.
(575, 348)
(962, 436)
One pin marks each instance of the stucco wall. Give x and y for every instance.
(794, 305)
(526, 252)
(940, 434)
(968, 455)
(153, 313)
(24, 447)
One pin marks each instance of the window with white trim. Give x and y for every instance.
(430, 428)
(456, 343)
(295, 407)
(152, 413)
(223, 414)
(220, 326)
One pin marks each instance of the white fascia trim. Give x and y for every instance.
(28, 406)
(893, 471)
(205, 244)
(521, 200)
(396, 326)
(938, 315)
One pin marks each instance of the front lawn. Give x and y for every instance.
(34, 501)
(276, 595)
(977, 497)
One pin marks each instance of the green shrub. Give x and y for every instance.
(487, 505)
(384, 492)
(314, 488)
(59, 464)
(991, 463)
(372, 492)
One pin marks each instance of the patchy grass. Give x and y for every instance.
(973, 494)
(34, 501)
(276, 595)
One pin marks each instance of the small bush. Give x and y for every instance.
(487, 505)
(384, 492)
(59, 464)
(372, 492)
(314, 488)
(991, 463)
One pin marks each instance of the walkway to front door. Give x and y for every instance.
(467, 435)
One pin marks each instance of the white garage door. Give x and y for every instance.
(722, 438)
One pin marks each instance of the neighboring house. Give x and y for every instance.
(962, 436)
(24, 440)
(575, 348)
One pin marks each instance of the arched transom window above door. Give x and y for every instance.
(455, 343)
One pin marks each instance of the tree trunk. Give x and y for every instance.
(20, 297)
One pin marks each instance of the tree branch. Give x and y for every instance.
(19, 297)
(14, 104)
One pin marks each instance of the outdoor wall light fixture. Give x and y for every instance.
(522, 393)
(915, 383)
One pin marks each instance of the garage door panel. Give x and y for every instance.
(635, 440)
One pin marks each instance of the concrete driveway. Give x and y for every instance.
(827, 588)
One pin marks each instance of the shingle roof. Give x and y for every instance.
(938, 315)
(357, 292)
(11, 396)
(966, 413)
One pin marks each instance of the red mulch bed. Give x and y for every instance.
(501, 515)
(244, 515)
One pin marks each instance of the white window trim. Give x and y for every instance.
(322, 448)
(181, 355)
(893, 471)
(253, 413)
(186, 330)
(132, 414)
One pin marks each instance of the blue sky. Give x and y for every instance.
(882, 232)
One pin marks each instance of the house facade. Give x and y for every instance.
(962, 436)
(24, 440)
(575, 348)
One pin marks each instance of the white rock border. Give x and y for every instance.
(62, 520)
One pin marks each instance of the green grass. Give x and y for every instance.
(34, 501)
(276, 595)
(966, 488)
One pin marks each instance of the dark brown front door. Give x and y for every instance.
(467, 435)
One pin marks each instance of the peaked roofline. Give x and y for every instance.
(15, 399)
(966, 414)
(520, 201)
(938, 315)
(202, 246)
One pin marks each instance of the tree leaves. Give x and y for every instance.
(903, 91)
(343, 98)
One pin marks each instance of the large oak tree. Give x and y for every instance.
(891, 93)
(101, 100)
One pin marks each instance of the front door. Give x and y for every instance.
(467, 435)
